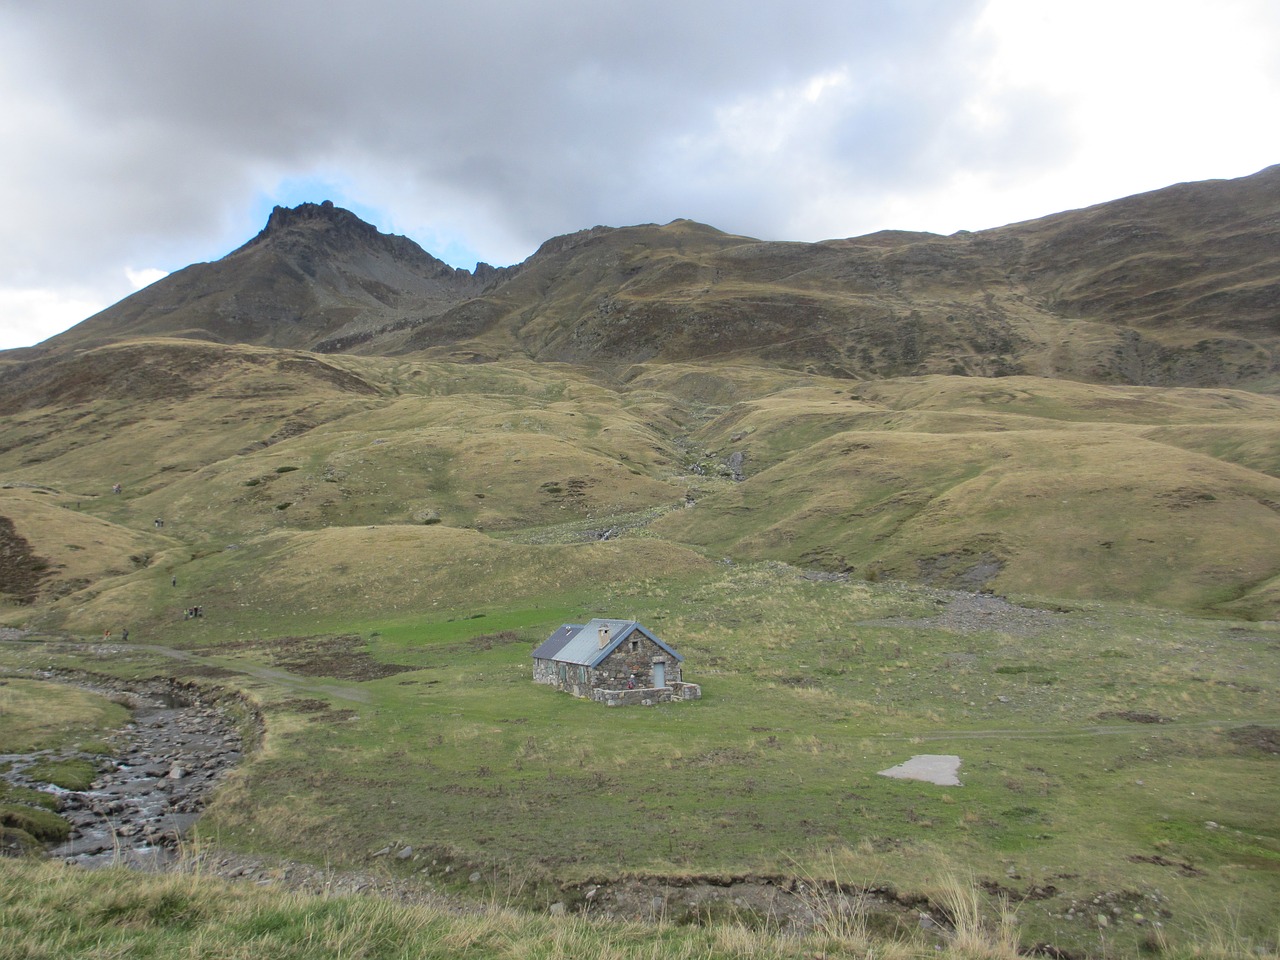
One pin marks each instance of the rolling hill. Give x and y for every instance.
(1075, 407)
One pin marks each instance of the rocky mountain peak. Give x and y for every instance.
(324, 214)
(334, 228)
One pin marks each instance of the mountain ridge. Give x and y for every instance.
(1176, 287)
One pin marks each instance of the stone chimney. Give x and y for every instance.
(604, 635)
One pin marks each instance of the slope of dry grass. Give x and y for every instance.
(1018, 484)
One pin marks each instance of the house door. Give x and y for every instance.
(659, 674)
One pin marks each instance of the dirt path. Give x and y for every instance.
(285, 679)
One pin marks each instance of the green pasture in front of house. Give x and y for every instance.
(1105, 751)
(1097, 746)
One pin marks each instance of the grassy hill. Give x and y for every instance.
(1020, 485)
(378, 543)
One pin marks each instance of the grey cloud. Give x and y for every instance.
(519, 120)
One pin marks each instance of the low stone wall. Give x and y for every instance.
(647, 697)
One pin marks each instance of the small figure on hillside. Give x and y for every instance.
(106, 634)
(124, 635)
(174, 581)
(159, 523)
(115, 488)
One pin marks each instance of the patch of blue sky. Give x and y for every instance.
(451, 250)
(291, 191)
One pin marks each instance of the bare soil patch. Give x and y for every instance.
(340, 657)
(1255, 737)
(21, 571)
(1133, 716)
(1186, 869)
(488, 641)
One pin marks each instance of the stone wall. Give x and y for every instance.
(544, 671)
(617, 668)
(647, 697)
(569, 677)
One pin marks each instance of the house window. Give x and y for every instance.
(582, 674)
(635, 646)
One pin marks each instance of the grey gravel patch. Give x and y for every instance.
(976, 612)
(939, 768)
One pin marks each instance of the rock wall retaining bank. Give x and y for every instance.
(647, 697)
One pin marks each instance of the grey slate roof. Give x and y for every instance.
(580, 643)
(551, 646)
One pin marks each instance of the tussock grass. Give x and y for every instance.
(48, 911)
(52, 912)
(1088, 488)
(1019, 484)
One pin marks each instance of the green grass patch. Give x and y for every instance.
(38, 716)
(9, 793)
(68, 774)
(44, 825)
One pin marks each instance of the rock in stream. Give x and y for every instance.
(152, 788)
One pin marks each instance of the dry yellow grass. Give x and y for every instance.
(40, 716)
(79, 549)
(1018, 484)
(1068, 489)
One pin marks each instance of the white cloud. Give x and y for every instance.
(28, 316)
(144, 277)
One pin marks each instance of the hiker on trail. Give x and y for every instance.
(124, 635)
(175, 580)
(106, 634)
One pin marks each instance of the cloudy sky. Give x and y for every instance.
(142, 135)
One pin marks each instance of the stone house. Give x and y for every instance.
(614, 662)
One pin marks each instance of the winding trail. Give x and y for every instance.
(270, 674)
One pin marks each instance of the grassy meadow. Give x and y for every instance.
(377, 562)
(1105, 751)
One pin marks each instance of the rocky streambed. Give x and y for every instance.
(181, 741)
